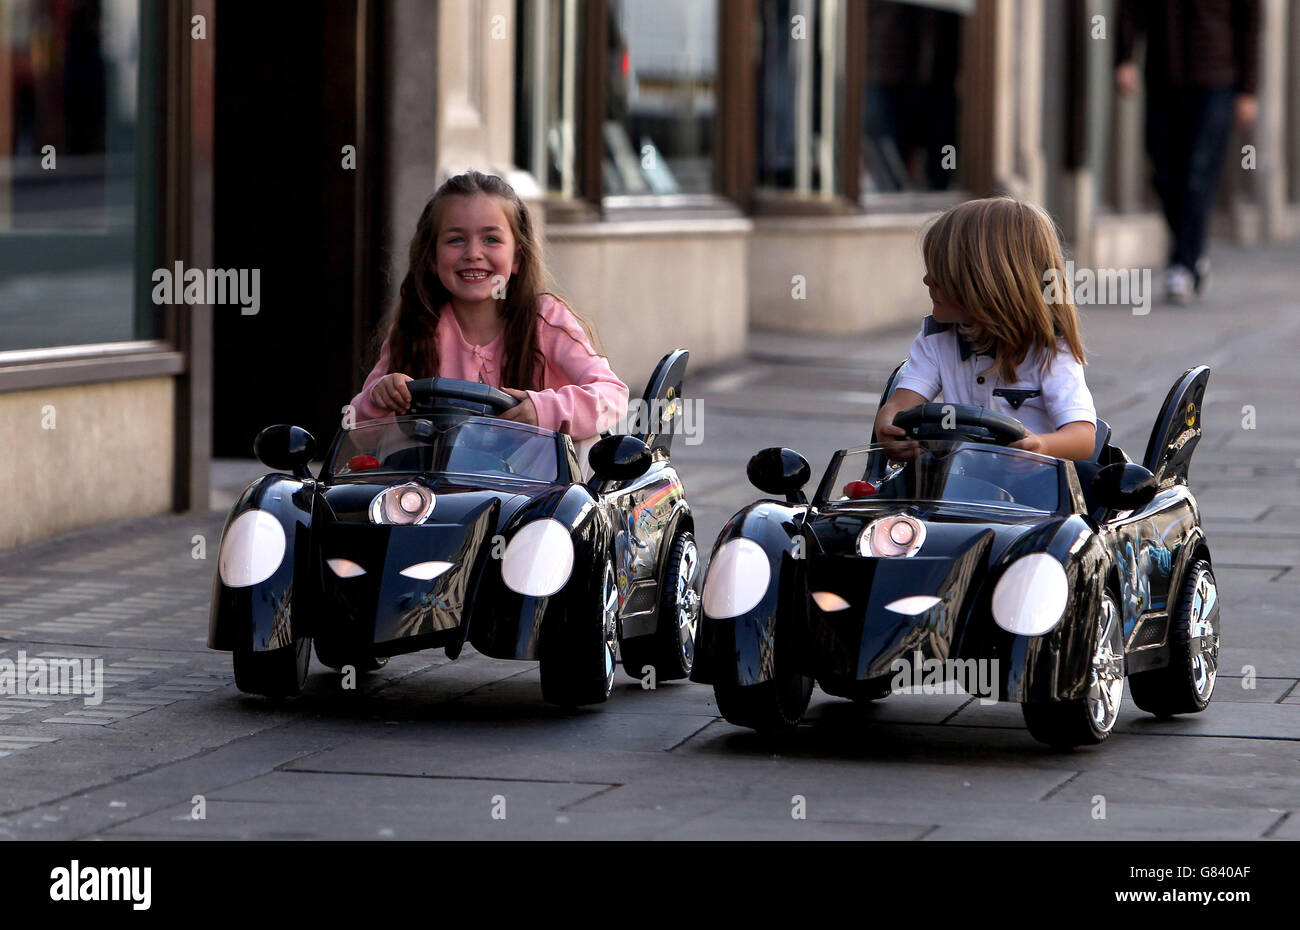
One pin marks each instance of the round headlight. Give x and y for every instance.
(1030, 597)
(538, 559)
(251, 550)
(402, 505)
(897, 535)
(737, 579)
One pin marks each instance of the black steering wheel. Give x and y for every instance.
(959, 422)
(448, 395)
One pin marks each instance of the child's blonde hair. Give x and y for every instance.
(991, 258)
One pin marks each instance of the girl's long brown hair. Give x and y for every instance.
(413, 321)
(991, 257)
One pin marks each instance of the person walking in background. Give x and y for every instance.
(1202, 61)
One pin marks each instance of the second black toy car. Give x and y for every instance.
(448, 525)
(1044, 582)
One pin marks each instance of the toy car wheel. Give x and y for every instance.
(1089, 720)
(338, 661)
(773, 707)
(671, 647)
(276, 673)
(578, 658)
(1184, 686)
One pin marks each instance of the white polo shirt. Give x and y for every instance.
(1043, 401)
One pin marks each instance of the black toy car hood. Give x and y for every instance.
(384, 603)
(889, 608)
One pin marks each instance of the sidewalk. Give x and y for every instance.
(662, 764)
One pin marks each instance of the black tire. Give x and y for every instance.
(338, 660)
(1066, 724)
(671, 647)
(578, 654)
(773, 707)
(1185, 685)
(278, 673)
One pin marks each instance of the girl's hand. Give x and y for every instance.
(524, 411)
(1031, 443)
(390, 392)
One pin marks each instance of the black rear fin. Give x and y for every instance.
(660, 416)
(1178, 429)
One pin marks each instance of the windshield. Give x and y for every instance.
(471, 447)
(946, 470)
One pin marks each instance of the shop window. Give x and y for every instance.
(661, 97)
(69, 85)
(911, 98)
(800, 86)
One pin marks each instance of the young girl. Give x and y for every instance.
(472, 308)
(993, 339)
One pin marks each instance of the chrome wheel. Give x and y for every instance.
(688, 602)
(1203, 643)
(1106, 676)
(609, 623)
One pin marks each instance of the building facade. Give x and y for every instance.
(703, 168)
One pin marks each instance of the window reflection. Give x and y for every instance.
(661, 97)
(910, 107)
(802, 65)
(68, 82)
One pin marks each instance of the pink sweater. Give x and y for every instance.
(581, 395)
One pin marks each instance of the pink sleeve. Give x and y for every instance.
(366, 408)
(594, 399)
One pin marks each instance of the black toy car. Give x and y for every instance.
(448, 525)
(1056, 580)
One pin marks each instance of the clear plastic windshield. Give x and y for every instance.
(475, 446)
(948, 471)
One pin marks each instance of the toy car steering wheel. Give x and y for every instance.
(429, 395)
(959, 422)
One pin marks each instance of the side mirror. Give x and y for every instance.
(619, 458)
(779, 471)
(1124, 486)
(286, 448)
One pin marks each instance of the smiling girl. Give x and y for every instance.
(472, 307)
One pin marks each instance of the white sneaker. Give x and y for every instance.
(1180, 285)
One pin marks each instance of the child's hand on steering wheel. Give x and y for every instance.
(524, 411)
(900, 450)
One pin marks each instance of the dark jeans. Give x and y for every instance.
(1186, 135)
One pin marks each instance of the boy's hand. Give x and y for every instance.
(391, 393)
(524, 411)
(899, 450)
(1031, 443)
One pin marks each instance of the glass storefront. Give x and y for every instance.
(69, 112)
(911, 100)
(800, 85)
(661, 97)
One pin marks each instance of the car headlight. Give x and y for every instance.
(402, 505)
(1030, 597)
(737, 579)
(894, 536)
(538, 559)
(345, 568)
(251, 550)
